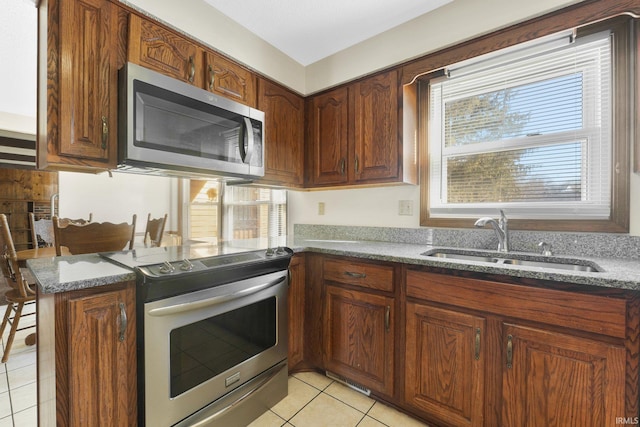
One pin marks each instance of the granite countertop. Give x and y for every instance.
(60, 274)
(616, 272)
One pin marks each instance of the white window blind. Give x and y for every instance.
(530, 134)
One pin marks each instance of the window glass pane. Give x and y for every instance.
(255, 213)
(550, 173)
(528, 131)
(204, 210)
(550, 105)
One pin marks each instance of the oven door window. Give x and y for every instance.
(203, 350)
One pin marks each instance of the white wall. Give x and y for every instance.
(115, 199)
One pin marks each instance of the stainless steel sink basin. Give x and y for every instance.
(513, 259)
(462, 257)
(555, 265)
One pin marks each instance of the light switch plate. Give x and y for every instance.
(320, 208)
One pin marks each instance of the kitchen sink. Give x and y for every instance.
(557, 265)
(461, 256)
(524, 260)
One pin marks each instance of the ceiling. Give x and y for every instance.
(310, 30)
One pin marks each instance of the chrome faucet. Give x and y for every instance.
(501, 228)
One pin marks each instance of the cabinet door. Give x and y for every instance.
(164, 51)
(445, 364)
(328, 120)
(561, 380)
(376, 138)
(284, 134)
(296, 310)
(102, 359)
(88, 84)
(230, 79)
(359, 337)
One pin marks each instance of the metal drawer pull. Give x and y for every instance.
(123, 321)
(477, 343)
(192, 69)
(387, 318)
(355, 275)
(212, 77)
(509, 351)
(342, 165)
(357, 165)
(105, 133)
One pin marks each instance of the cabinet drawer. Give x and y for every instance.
(366, 275)
(573, 310)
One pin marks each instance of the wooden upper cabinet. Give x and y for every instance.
(81, 85)
(376, 138)
(229, 79)
(354, 135)
(284, 134)
(327, 121)
(162, 50)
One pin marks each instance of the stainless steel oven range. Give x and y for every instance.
(212, 333)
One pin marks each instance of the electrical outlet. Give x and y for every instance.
(320, 208)
(405, 207)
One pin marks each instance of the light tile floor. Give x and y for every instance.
(18, 393)
(313, 401)
(317, 401)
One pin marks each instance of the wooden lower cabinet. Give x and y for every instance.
(485, 353)
(296, 304)
(93, 344)
(359, 338)
(445, 364)
(558, 379)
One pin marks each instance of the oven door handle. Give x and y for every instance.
(195, 305)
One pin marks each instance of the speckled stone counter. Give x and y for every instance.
(85, 271)
(617, 273)
(67, 273)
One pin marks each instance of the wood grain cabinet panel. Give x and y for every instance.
(376, 138)
(165, 51)
(229, 79)
(359, 337)
(102, 358)
(284, 134)
(445, 364)
(557, 379)
(328, 135)
(87, 84)
(296, 310)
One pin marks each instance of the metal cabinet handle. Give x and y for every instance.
(355, 275)
(192, 69)
(105, 132)
(123, 321)
(387, 318)
(212, 77)
(342, 166)
(477, 343)
(509, 351)
(357, 164)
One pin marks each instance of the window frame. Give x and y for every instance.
(623, 69)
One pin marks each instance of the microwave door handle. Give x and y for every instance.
(246, 127)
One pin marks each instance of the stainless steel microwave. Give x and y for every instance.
(168, 127)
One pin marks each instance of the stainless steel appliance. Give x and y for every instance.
(212, 333)
(168, 127)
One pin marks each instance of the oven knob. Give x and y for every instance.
(167, 268)
(270, 252)
(186, 265)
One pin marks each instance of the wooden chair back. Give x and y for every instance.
(9, 262)
(41, 231)
(155, 230)
(94, 236)
(77, 221)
